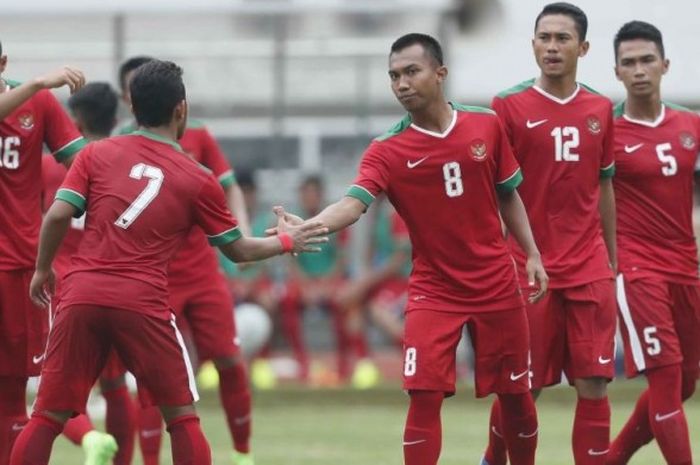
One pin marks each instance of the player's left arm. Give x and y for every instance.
(606, 208)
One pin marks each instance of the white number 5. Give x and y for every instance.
(155, 180)
(653, 343)
(670, 166)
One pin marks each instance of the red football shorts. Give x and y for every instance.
(80, 343)
(572, 330)
(660, 324)
(207, 305)
(23, 326)
(501, 348)
(114, 368)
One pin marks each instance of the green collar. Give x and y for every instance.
(157, 138)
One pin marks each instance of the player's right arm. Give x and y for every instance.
(13, 98)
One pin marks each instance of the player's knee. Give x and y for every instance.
(228, 361)
(688, 386)
(172, 414)
(591, 388)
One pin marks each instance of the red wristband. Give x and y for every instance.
(286, 241)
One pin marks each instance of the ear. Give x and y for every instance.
(583, 48)
(3, 63)
(666, 64)
(617, 74)
(181, 111)
(441, 73)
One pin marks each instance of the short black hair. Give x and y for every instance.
(96, 106)
(130, 65)
(156, 89)
(639, 30)
(312, 180)
(566, 9)
(430, 45)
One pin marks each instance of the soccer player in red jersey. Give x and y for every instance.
(94, 109)
(656, 146)
(32, 117)
(449, 170)
(142, 194)
(199, 293)
(562, 136)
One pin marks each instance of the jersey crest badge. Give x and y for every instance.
(26, 121)
(687, 140)
(593, 124)
(478, 148)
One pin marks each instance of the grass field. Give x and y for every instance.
(295, 426)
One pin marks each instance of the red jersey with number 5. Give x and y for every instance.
(654, 194)
(564, 147)
(38, 121)
(444, 187)
(142, 196)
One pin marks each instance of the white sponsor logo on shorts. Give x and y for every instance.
(150, 433)
(411, 443)
(659, 417)
(523, 435)
(603, 361)
(17, 427)
(597, 452)
(514, 377)
(37, 359)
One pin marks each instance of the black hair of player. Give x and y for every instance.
(566, 9)
(130, 65)
(312, 180)
(430, 45)
(639, 30)
(156, 89)
(95, 105)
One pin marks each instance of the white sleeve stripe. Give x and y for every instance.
(635, 343)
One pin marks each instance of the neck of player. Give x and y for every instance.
(435, 117)
(167, 131)
(643, 108)
(560, 87)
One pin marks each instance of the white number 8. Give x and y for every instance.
(409, 366)
(453, 179)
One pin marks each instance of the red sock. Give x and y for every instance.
(150, 434)
(291, 326)
(76, 428)
(496, 453)
(343, 341)
(187, 442)
(519, 422)
(422, 437)
(33, 446)
(359, 344)
(666, 414)
(121, 422)
(591, 432)
(635, 434)
(13, 413)
(235, 398)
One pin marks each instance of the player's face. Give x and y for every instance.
(640, 67)
(416, 78)
(310, 198)
(557, 46)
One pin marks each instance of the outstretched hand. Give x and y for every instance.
(305, 235)
(66, 76)
(291, 219)
(42, 287)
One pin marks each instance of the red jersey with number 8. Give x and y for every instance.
(142, 196)
(444, 187)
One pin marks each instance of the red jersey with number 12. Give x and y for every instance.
(564, 147)
(143, 195)
(654, 194)
(444, 187)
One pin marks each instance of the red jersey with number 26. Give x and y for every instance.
(654, 194)
(38, 121)
(444, 187)
(142, 195)
(564, 147)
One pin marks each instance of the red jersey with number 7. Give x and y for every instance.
(38, 121)
(654, 194)
(444, 187)
(142, 196)
(564, 146)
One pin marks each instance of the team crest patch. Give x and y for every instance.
(478, 148)
(687, 140)
(26, 121)
(593, 124)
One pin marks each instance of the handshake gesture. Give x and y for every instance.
(297, 235)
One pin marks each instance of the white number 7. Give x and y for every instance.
(155, 180)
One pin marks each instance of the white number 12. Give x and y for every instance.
(155, 180)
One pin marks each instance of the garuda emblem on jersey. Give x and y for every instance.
(26, 121)
(687, 140)
(593, 124)
(478, 148)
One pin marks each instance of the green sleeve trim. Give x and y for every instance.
(227, 179)
(608, 171)
(509, 184)
(225, 237)
(128, 129)
(12, 83)
(619, 110)
(589, 88)
(73, 198)
(70, 149)
(677, 107)
(361, 194)
(471, 108)
(396, 129)
(523, 86)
